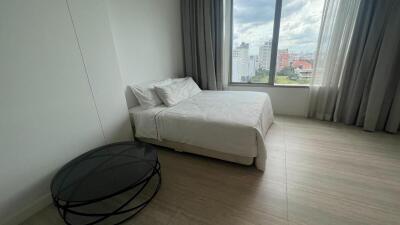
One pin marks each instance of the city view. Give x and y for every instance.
(291, 67)
(297, 42)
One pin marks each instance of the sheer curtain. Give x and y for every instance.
(336, 30)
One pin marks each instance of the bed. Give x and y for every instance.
(228, 125)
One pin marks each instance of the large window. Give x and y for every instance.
(274, 41)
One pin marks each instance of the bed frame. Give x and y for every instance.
(179, 147)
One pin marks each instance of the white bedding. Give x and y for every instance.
(144, 120)
(226, 121)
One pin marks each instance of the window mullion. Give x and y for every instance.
(275, 38)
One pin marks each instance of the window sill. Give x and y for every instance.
(268, 85)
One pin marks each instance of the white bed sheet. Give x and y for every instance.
(231, 122)
(145, 121)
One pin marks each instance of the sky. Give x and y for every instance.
(300, 23)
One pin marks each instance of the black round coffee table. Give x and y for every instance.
(109, 184)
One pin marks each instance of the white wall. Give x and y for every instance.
(148, 40)
(92, 25)
(49, 113)
(285, 100)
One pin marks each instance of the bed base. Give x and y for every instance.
(179, 147)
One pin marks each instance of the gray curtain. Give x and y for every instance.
(370, 86)
(202, 28)
(368, 93)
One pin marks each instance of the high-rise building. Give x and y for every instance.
(240, 62)
(253, 65)
(282, 59)
(265, 55)
(235, 65)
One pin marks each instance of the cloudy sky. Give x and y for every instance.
(300, 22)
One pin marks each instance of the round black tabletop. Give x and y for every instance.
(108, 184)
(104, 172)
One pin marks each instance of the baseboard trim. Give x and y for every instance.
(28, 211)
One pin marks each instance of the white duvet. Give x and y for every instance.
(233, 122)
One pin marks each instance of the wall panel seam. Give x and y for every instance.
(86, 71)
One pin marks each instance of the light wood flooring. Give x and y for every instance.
(317, 173)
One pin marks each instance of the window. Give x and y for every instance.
(274, 41)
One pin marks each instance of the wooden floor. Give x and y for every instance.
(317, 173)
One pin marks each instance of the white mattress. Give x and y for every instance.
(227, 121)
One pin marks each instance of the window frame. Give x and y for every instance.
(274, 52)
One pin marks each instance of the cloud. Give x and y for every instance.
(255, 34)
(254, 11)
(300, 22)
(300, 25)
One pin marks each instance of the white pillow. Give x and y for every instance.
(172, 94)
(146, 94)
(174, 80)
